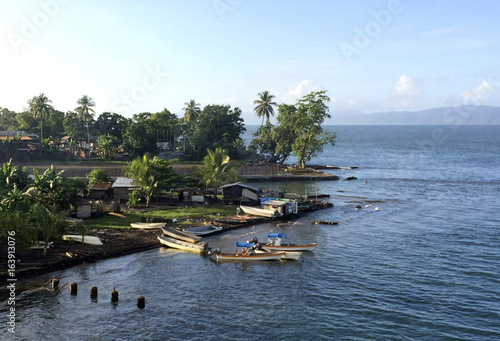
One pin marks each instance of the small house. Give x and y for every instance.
(101, 191)
(122, 187)
(241, 192)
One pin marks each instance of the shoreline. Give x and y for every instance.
(116, 243)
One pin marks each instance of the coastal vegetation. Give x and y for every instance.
(77, 135)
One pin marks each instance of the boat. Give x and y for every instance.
(90, 240)
(290, 255)
(147, 225)
(255, 247)
(248, 256)
(181, 235)
(183, 245)
(261, 212)
(275, 244)
(203, 230)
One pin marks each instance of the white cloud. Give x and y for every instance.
(303, 88)
(407, 93)
(477, 95)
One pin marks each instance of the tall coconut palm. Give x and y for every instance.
(40, 108)
(85, 112)
(191, 111)
(264, 106)
(217, 170)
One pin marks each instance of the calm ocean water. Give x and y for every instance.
(425, 265)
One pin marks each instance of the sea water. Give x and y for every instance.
(420, 260)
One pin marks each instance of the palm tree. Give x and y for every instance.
(191, 111)
(217, 170)
(48, 222)
(264, 106)
(85, 112)
(40, 108)
(142, 172)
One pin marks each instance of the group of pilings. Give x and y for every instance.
(73, 290)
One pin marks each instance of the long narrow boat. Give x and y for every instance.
(261, 212)
(203, 230)
(183, 245)
(292, 255)
(147, 225)
(277, 244)
(90, 240)
(233, 256)
(177, 234)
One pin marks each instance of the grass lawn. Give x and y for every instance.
(181, 214)
(196, 212)
(113, 222)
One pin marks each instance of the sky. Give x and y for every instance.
(144, 56)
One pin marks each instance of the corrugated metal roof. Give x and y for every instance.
(123, 182)
(101, 187)
(244, 185)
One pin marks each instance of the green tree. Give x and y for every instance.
(217, 170)
(17, 223)
(138, 139)
(74, 127)
(12, 175)
(98, 176)
(85, 112)
(8, 120)
(48, 222)
(112, 124)
(285, 133)
(191, 112)
(311, 113)
(218, 127)
(263, 141)
(151, 174)
(40, 108)
(264, 108)
(107, 145)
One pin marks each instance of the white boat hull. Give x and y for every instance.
(181, 235)
(147, 225)
(182, 245)
(90, 240)
(261, 212)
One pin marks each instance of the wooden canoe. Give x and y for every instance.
(173, 233)
(183, 245)
(232, 256)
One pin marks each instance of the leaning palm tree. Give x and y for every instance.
(217, 170)
(39, 107)
(85, 112)
(191, 111)
(264, 106)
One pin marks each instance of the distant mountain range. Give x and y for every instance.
(468, 115)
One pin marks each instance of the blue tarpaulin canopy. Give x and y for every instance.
(276, 235)
(238, 244)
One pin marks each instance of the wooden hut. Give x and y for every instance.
(241, 192)
(101, 191)
(122, 187)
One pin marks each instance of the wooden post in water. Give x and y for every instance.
(73, 288)
(93, 293)
(141, 302)
(114, 295)
(55, 283)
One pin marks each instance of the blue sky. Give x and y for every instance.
(143, 56)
